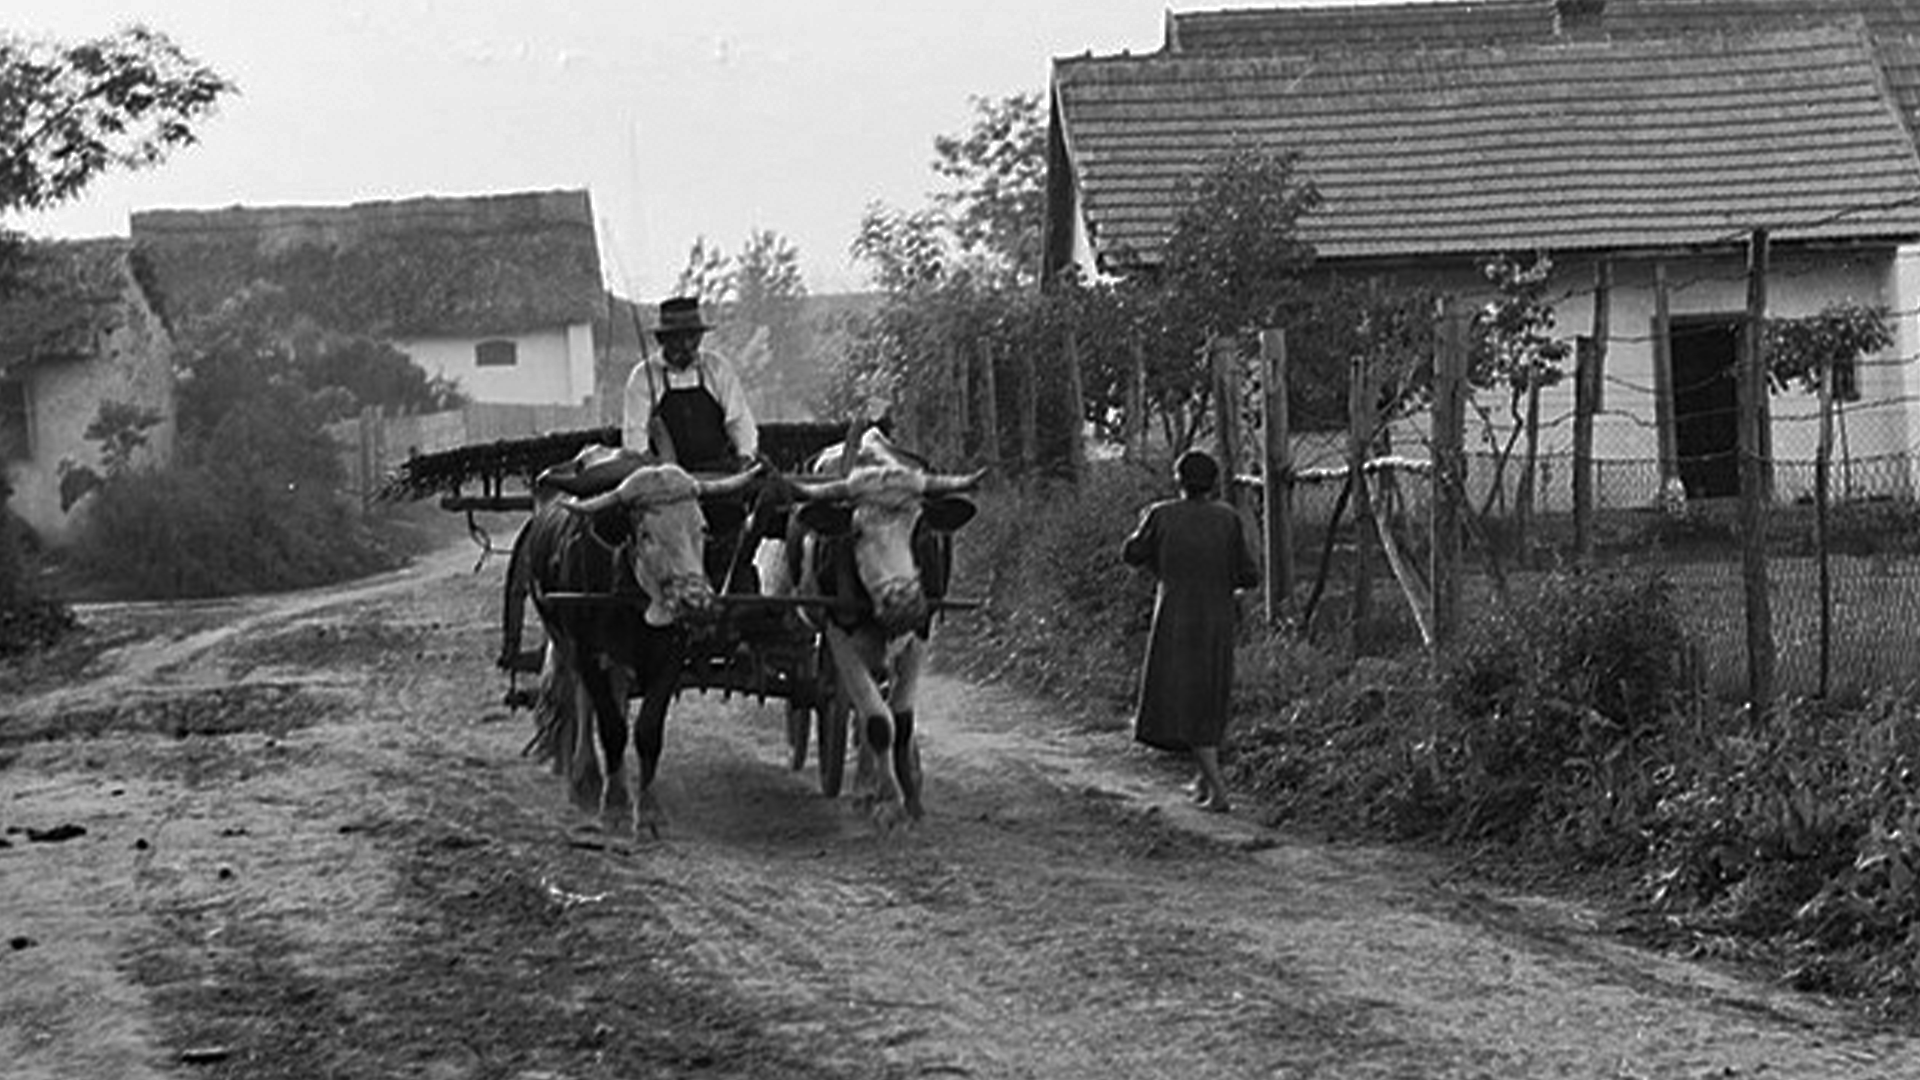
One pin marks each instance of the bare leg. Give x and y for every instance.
(1208, 758)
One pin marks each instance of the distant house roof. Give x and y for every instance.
(1292, 30)
(1893, 24)
(457, 266)
(67, 294)
(1565, 146)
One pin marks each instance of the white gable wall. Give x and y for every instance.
(132, 366)
(552, 366)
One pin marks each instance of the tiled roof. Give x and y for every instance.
(460, 266)
(1276, 31)
(1270, 31)
(1575, 145)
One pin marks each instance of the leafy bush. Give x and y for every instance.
(27, 622)
(1063, 613)
(251, 506)
(1804, 831)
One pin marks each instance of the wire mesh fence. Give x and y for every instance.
(1868, 615)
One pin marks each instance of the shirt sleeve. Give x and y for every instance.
(1142, 549)
(636, 409)
(741, 426)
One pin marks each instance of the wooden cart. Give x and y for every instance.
(761, 647)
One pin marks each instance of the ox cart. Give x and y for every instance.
(760, 647)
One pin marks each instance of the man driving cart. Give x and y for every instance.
(687, 404)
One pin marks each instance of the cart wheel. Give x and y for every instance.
(799, 729)
(833, 744)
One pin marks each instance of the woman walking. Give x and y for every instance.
(1197, 552)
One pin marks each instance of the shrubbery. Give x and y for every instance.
(251, 500)
(1065, 614)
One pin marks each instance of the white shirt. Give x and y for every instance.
(652, 377)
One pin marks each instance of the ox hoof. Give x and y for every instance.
(648, 816)
(585, 791)
(890, 818)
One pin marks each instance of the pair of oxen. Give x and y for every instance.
(860, 532)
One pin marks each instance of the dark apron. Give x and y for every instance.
(697, 425)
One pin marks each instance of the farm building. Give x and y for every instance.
(79, 332)
(497, 292)
(1648, 136)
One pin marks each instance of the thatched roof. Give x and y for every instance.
(417, 267)
(60, 298)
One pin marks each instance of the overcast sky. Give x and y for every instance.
(681, 117)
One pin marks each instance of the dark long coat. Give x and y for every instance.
(1198, 552)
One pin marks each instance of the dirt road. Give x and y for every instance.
(311, 848)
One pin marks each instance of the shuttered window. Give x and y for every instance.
(16, 431)
(496, 353)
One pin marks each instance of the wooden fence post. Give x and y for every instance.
(1226, 401)
(1663, 376)
(1590, 356)
(1137, 402)
(368, 465)
(1751, 388)
(1029, 413)
(989, 408)
(1822, 494)
(1277, 474)
(1076, 412)
(1360, 423)
(959, 412)
(1449, 471)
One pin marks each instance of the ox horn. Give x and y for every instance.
(952, 484)
(728, 485)
(602, 501)
(819, 491)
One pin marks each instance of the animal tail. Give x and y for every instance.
(554, 716)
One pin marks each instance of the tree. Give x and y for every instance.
(708, 274)
(1513, 347)
(71, 112)
(68, 113)
(757, 298)
(1234, 260)
(768, 302)
(999, 169)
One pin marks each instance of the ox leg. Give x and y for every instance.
(659, 685)
(565, 691)
(610, 721)
(906, 749)
(649, 738)
(874, 782)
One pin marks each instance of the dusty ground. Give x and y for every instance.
(311, 848)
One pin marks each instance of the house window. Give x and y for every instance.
(496, 353)
(16, 432)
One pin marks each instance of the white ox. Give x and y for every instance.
(871, 535)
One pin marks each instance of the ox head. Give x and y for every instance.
(878, 505)
(667, 536)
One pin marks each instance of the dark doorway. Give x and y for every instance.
(1706, 416)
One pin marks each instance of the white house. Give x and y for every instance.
(1648, 135)
(79, 333)
(498, 292)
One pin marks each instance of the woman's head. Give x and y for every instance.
(1196, 472)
